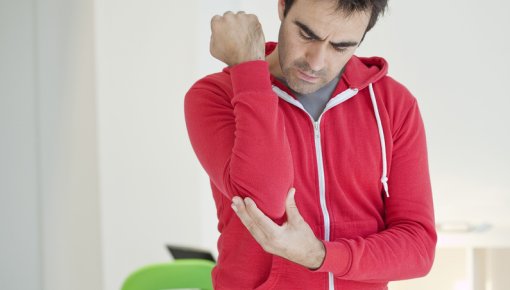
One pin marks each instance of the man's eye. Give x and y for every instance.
(340, 49)
(305, 36)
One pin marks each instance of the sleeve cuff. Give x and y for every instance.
(338, 258)
(250, 76)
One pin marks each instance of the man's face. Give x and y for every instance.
(316, 41)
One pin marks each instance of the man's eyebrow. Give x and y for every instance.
(307, 30)
(344, 44)
(310, 33)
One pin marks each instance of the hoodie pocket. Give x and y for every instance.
(274, 274)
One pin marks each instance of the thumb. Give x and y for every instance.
(291, 208)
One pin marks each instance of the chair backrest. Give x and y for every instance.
(185, 273)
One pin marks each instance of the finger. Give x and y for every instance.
(251, 224)
(267, 225)
(214, 19)
(291, 209)
(241, 12)
(227, 13)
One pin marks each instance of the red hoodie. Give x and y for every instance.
(360, 173)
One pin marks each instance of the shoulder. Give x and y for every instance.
(397, 100)
(218, 83)
(394, 94)
(213, 89)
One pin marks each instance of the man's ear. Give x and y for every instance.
(281, 8)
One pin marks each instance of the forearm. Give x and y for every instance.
(406, 248)
(403, 252)
(261, 163)
(241, 140)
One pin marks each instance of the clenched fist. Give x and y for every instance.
(237, 38)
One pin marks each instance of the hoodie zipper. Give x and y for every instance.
(338, 99)
(322, 190)
(322, 183)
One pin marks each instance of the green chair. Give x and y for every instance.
(185, 273)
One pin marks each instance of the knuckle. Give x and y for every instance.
(273, 239)
(215, 18)
(267, 246)
(276, 242)
(214, 22)
(251, 226)
(272, 236)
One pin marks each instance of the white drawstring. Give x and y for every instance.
(341, 98)
(384, 178)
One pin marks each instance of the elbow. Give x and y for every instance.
(426, 266)
(270, 201)
(269, 195)
(274, 208)
(429, 253)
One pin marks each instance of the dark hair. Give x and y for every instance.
(376, 7)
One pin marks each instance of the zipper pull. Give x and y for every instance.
(317, 130)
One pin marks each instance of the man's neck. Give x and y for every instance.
(274, 64)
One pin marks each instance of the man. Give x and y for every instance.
(317, 159)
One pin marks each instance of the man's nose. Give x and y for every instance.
(316, 57)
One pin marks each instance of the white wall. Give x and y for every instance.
(70, 228)
(50, 210)
(66, 116)
(20, 254)
(92, 102)
(146, 59)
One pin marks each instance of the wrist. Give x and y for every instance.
(251, 76)
(317, 256)
(248, 58)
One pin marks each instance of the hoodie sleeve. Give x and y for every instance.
(240, 140)
(405, 249)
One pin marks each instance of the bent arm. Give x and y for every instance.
(406, 248)
(241, 141)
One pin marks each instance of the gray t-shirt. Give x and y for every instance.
(315, 102)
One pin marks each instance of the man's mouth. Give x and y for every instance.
(306, 77)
